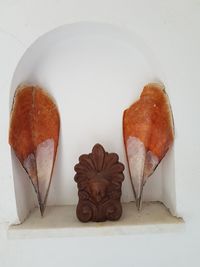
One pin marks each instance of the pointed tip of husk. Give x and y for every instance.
(42, 208)
(139, 203)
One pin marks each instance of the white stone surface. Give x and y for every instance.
(171, 30)
(61, 221)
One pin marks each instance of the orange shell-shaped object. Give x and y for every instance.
(34, 134)
(148, 133)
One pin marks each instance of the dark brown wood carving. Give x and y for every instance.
(99, 176)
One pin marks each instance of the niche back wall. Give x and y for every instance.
(94, 72)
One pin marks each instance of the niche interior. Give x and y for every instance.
(94, 71)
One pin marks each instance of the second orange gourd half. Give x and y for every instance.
(148, 133)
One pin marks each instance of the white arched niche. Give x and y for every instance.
(94, 71)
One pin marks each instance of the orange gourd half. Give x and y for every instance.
(148, 133)
(34, 135)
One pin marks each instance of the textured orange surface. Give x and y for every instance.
(150, 120)
(34, 118)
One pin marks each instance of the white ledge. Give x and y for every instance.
(61, 221)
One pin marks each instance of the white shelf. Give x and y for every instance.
(61, 221)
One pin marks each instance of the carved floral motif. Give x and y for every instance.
(99, 176)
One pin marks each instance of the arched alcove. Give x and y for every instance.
(94, 71)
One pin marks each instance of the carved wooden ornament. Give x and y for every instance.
(99, 176)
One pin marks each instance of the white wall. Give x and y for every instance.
(94, 71)
(171, 30)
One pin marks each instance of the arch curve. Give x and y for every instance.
(94, 71)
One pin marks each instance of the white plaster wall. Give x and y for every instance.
(94, 71)
(171, 30)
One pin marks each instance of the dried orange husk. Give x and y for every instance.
(34, 135)
(148, 132)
